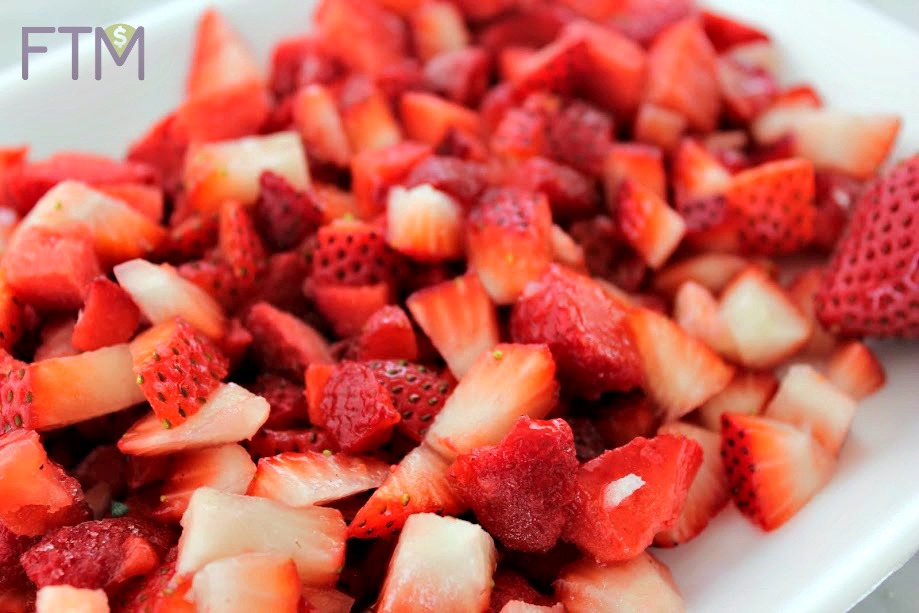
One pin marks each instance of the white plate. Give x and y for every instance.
(862, 526)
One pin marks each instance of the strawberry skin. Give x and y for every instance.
(350, 253)
(417, 393)
(240, 244)
(268, 442)
(109, 317)
(870, 285)
(284, 215)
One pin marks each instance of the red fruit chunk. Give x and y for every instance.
(512, 586)
(240, 245)
(215, 276)
(387, 335)
(556, 67)
(363, 35)
(580, 135)
(351, 253)
(583, 327)
(417, 393)
(870, 285)
(97, 554)
(287, 400)
(12, 575)
(163, 147)
(283, 343)
(192, 237)
(300, 61)
(268, 443)
(146, 199)
(56, 339)
(836, 195)
(726, 32)
(570, 193)
(12, 316)
(521, 489)
(49, 268)
(348, 308)
(606, 255)
(461, 179)
(284, 215)
(460, 75)
(629, 494)
(428, 118)
(161, 591)
(588, 442)
(356, 409)
(623, 417)
(746, 90)
(519, 134)
(373, 172)
(177, 368)
(109, 316)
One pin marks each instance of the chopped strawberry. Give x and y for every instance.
(461, 179)
(387, 335)
(351, 253)
(521, 489)
(508, 240)
(648, 224)
(726, 32)
(248, 582)
(641, 584)
(642, 164)
(365, 36)
(712, 271)
(214, 275)
(108, 317)
(313, 478)
(177, 369)
(512, 381)
(460, 75)
(803, 290)
(623, 417)
(12, 575)
(240, 245)
(773, 468)
(366, 116)
(571, 194)
(483, 9)
(629, 494)
(519, 134)
(146, 199)
(512, 587)
(267, 442)
(606, 255)
(697, 175)
(97, 554)
(437, 26)
(417, 393)
(695, 309)
(680, 372)
(556, 67)
(463, 145)
(566, 251)
(836, 195)
(580, 135)
(855, 370)
(528, 25)
(231, 414)
(374, 172)
(428, 118)
(220, 525)
(583, 327)
(319, 122)
(283, 343)
(424, 223)
(418, 484)
(286, 399)
(459, 318)
(163, 147)
(748, 393)
(659, 126)
(347, 308)
(192, 237)
(12, 316)
(745, 90)
(869, 287)
(161, 591)
(301, 61)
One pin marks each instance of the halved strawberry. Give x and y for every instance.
(312, 478)
(765, 323)
(773, 468)
(642, 164)
(36, 495)
(583, 327)
(708, 493)
(424, 223)
(417, 392)
(366, 37)
(220, 525)
(508, 241)
(373, 172)
(440, 564)
(387, 335)
(748, 393)
(696, 310)
(437, 26)
(108, 317)
(53, 598)
(680, 372)
(267, 442)
(461, 75)
(712, 271)
(162, 295)
(648, 224)
(231, 414)
(459, 318)
(641, 584)
(230, 170)
(240, 245)
(512, 381)
(428, 118)
(856, 370)
(227, 468)
(629, 494)
(659, 126)
(248, 582)
(418, 484)
(283, 343)
(366, 116)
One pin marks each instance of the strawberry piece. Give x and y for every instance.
(319, 599)
(566, 251)
(192, 237)
(146, 199)
(461, 179)
(648, 224)
(283, 281)
(459, 75)
(803, 291)
(12, 316)
(682, 74)
(373, 172)
(300, 61)
(12, 575)
(214, 276)
(348, 308)
(177, 369)
(365, 37)
(869, 287)
(556, 67)
(49, 268)
(512, 587)
(571, 194)
(417, 393)
(519, 134)
(317, 375)
(97, 554)
(513, 381)
(713, 271)
(65, 598)
(37, 495)
(273, 442)
(697, 176)
(707, 495)
(227, 468)
(628, 495)
(424, 223)
(640, 584)
(440, 564)
(350, 253)
(745, 89)
(462, 145)
(418, 484)
(312, 478)
(162, 148)
(459, 318)
(366, 115)
(428, 118)
(528, 25)
(773, 468)
(356, 409)
(765, 228)
(726, 32)
(695, 309)
(316, 117)
(580, 136)
(387, 335)
(476, 10)
(855, 370)
(283, 343)
(240, 245)
(508, 241)
(836, 195)
(521, 489)
(108, 317)
(642, 164)
(437, 26)
(248, 582)
(286, 399)
(605, 254)
(584, 328)
(748, 393)
(162, 591)
(219, 525)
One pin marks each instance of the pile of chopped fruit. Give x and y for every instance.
(461, 308)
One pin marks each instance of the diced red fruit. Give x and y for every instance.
(623, 417)
(269, 442)
(519, 134)
(316, 116)
(856, 370)
(836, 195)
(192, 237)
(460, 75)
(659, 126)
(146, 199)
(639, 163)
(282, 343)
(521, 489)
(163, 147)
(424, 223)
(428, 118)
(461, 179)
(571, 194)
(12, 316)
(773, 468)
(695, 309)
(726, 32)
(287, 401)
(374, 172)
(214, 275)
(712, 271)
(748, 393)
(437, 26)
(239, 243)
(387, 335)
(566, 251)
(12, 575)
(580, 136)
(417, 392)
(108, 317)
(248, 582)
(629, 494)
(366, 116)
(300, 61)
(510, 586)
(351, 253)
(161, 591)
(606, 255)
(648, 224)
(746, 90)
(803, 290)
(347, 308)
(365, 37)
(697, 174)
(556, 67)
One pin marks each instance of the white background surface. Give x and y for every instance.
(899, 594)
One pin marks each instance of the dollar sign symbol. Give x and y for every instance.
(120, 39)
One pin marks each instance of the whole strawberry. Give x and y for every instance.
(871, 286)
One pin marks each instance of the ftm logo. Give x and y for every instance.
(119, 39)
